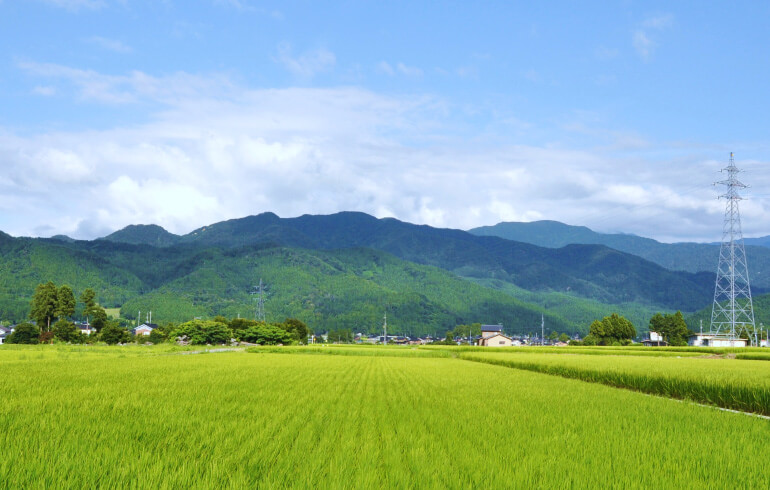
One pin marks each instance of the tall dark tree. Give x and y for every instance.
(44, 305)
(298, 329)
(88, 298)
(65, 302)
(672, 328)
(65, 331)
(99, 318)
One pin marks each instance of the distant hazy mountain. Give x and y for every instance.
(763, 241)
(690, 257)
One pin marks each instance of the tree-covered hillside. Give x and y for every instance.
(761, 304)
(689, 257)
(590, 271)
(338, 289)
(344, 271)
(24, 263)
(144, 235)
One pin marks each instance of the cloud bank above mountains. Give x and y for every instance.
(213, 149)
(183, 114)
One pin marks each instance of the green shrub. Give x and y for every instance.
(24, 333)
(113, 334)
(266, 335)
(156, 337)
(203, 332)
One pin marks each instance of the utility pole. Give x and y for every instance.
(542, 329)
(385, 328)
(732, 309)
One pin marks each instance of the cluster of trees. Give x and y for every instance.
(610, 330)
(561, 337)
(339, 336)
(617, 330)
(463, 331)
(220, 330)
(671, 327)
(52, 309)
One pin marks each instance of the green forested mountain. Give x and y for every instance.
(350, 288)
(761, 304)
(344, 271)
(144, 235)
(589, 271)
(24, 263)
(690, 257)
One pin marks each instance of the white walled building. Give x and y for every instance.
(714, 340)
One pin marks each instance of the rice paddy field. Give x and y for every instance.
(735, 384)
(162, 417)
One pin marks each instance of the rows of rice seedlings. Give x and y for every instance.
(753, 356)
(18, 352)
(275, 421)
(725, 383)
(351, 350)
(599, 351)
(710, 350)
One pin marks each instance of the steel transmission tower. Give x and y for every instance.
(732, 309)
(259, 294)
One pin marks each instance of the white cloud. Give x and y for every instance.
(238, 4)
(642, 38)
(110, 44)
(659, 22)
(76, 4)
(467, 72)
(642, 44)
(399, 68)
(410, 71)
(384, 67)
(121, 89)
(45, 91)
(308, 64)
(532, 75)
(214, 150)
(605, 53)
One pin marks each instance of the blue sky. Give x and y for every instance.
(613, 115)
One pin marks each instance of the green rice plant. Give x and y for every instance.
(340, 421)
(597, 351)
(753, 356)
(725, 383)
(350, 350)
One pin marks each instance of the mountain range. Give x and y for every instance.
(689, 257)
(347, 269)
